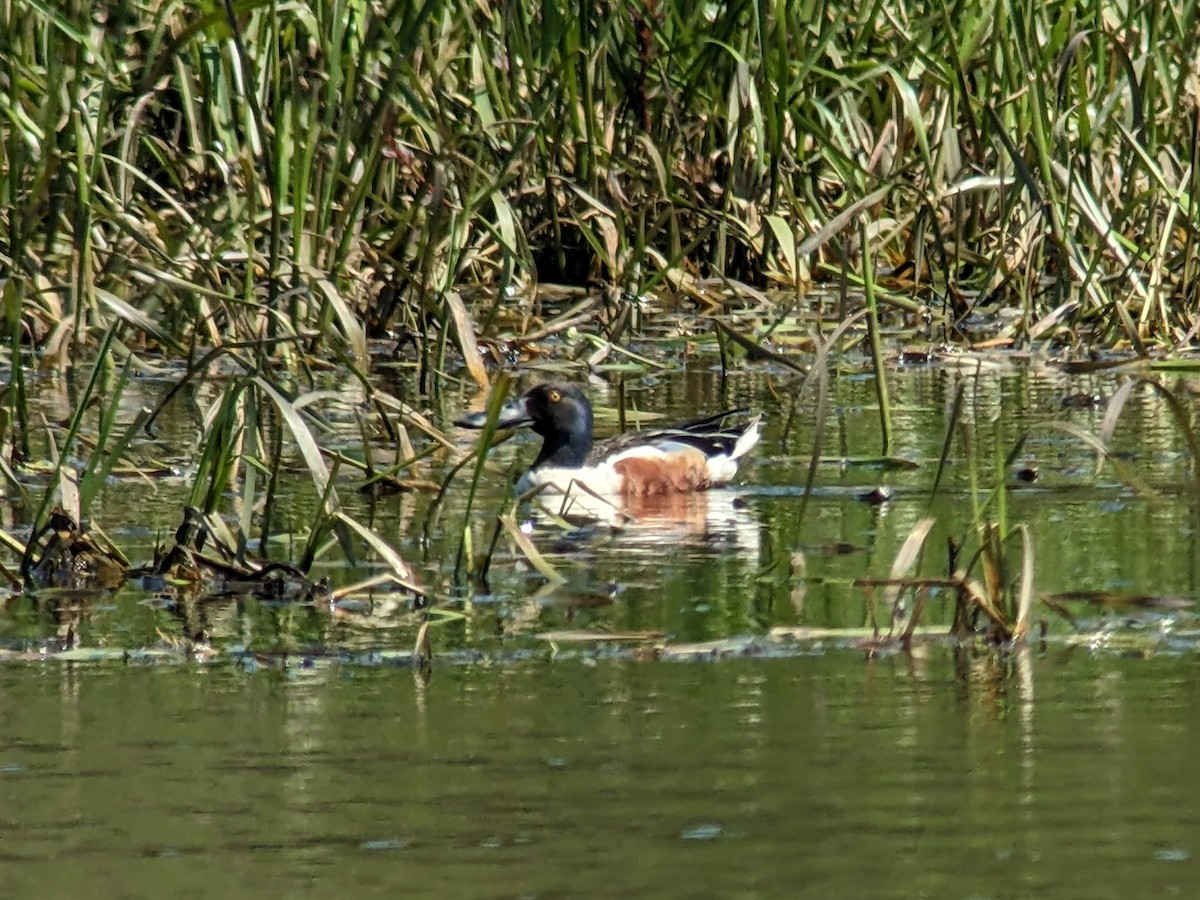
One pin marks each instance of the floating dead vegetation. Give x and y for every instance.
(1110, 600)
(204, 558)
(565, 645)
(66, 554)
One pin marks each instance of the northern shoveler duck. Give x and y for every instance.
(689, 457)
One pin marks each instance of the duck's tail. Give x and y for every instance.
(723, 466)
(748, 438)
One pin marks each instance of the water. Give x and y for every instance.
(307, 757)
(813, 777)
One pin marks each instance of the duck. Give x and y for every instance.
(659, 462)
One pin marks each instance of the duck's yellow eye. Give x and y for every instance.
(554, 396)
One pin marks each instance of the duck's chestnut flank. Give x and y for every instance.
(681, 473)
(691, 456)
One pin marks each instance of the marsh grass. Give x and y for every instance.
(334, 170)
(991, 569)
(274, 185)
(310, 176)
(992, 572)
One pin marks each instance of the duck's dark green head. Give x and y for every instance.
(560, 413)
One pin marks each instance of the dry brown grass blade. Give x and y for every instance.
(1123, 470)
(977, 595)
(13, 581)
(362, 587)
(411, 417)
(1112, 414)
(1025, 592)
(902, 566)
(68, 490)
(838, 223)
(422, 655)
(402, 570)
(578, 636)
(811, 633)
(990, 557)
(464, 327)
(907, 555)
(12, 543)
(579, 314)
(569, 500)
(531, 552)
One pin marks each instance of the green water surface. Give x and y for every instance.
(821, 776)
(302, 755)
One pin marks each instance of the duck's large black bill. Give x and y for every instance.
(512, 415)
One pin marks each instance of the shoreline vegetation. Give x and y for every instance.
(217, 171)
(265, 188)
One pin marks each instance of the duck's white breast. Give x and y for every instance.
(599, 479)
(592, 492)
